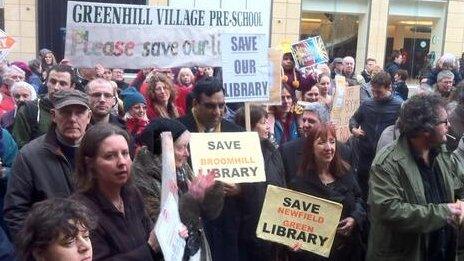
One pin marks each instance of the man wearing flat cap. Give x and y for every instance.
(43, 168)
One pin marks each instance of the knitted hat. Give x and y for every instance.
(130, 97)
(151, 135)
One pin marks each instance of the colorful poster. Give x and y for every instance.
(234, 157)
(290, 217)
(309, 52)
(6, 43)
(137, 36)
(346, 102)
(245, 67)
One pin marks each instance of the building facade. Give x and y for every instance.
(422, 29)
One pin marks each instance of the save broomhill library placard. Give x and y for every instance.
(234, 157)
(290, 217)
(138, 36)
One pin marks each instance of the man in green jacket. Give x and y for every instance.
(413, 189)
(34, 118)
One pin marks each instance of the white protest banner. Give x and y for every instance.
(6, 43)
(289, 217)
(234, 157)
(134, 36)
(245, 67)
(168, 223)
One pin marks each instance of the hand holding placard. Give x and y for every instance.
(233, 157)
(300, 221)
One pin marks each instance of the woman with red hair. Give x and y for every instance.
(161, 98)
(324, 174)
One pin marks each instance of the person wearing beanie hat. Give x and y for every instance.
(200, 197)
(130, 97)
(135, 107)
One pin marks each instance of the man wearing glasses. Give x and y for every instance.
(413, 189)
(207, 116)
(101, 100)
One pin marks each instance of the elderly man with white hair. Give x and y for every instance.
(446, 62)
(445, 83)
(348, 71)
(21, 93)
(11, 75)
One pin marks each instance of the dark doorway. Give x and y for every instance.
(52, 22)
(416, 49)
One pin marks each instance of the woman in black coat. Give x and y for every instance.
(123, 231)
(325, 175)
(252, 194)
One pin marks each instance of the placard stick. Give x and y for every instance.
(247, 116)
(168, 172)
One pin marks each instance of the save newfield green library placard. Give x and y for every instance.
(290, 217)
(234, 157)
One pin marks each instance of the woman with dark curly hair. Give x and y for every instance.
(161, 98)
(56, 230)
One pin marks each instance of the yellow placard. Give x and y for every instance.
(346, 102)
(234, 157)
(290, 217)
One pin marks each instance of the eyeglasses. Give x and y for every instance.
(98, 95)
(212, 106)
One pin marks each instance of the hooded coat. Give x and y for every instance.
(146, 172)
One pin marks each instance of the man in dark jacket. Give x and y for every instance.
(33, 119)
(394, 65)
(456, 119)
(207, 116)
(102, 98)
(43, 167)
(367, 72)
(369, 121)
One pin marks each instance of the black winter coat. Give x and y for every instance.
(252, 199)
(392, 68)
(344, 190)
(373, 117)
(119, 236)
(40, 171)
(401, 89)
(222, 232)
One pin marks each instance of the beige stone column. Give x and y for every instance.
(398, 37)
(454, 29)
(362, 41)
(377, 38)
(21, 23)
(286, 15)
(157, 2)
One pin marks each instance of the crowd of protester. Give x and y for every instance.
(81, 161)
